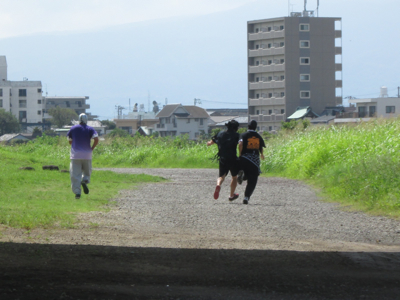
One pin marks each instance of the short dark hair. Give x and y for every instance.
(252, 125)
(232, 125)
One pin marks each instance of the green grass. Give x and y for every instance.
(354, 165)
(43, 198)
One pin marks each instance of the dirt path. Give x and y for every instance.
(172, 240)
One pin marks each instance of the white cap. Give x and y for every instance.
(83, 118)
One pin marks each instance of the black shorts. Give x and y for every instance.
(225, 166)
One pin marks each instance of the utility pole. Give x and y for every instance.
(119, 110)
(197, 101)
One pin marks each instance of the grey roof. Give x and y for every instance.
(26, 83)
(167, 110)
(323, 119)
(194, 111)
(240, 120)
(10, 136)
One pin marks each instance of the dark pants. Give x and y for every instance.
(251, 172)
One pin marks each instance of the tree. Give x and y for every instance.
(118, 132)
(36, 132)
(62, 116)
(110, 124)
(8, 123)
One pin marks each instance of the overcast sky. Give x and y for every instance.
(371, 31)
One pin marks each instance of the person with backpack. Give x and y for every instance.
(251, 146)
(227, 142)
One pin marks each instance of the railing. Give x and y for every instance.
(350, 115)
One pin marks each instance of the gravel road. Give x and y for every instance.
(172, 240)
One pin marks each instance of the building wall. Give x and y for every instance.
(29, 104)
(274, 52)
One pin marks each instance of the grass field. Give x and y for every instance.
(358, 166)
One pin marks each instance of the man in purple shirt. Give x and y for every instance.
(79, 137)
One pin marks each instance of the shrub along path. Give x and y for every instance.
(172, 240)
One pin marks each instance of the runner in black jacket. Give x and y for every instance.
(227, 142)
(251, 145)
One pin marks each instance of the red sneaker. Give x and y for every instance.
(216, 193)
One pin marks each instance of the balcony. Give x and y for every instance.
(338, 50)
(266, 85)
(266, 35)
(338, 83)
(338, 67)
(269, 118)
(267, 68)
(266, 51)
(338, 33)
(267, 101)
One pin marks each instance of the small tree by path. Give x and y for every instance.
(62, 116)
(8, 122)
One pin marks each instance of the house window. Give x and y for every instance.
(196, 120)
(304, 94)
(22, 103)
(22, 93)
(1, 92)
(390, 109)
(304, 77)
(282, 111)
(201, 121)
(372, 111)
(39, 112)
(304, 27)
(304, 44)
(39, 101)
(304, 60)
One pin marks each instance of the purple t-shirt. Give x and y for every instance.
(80, 135)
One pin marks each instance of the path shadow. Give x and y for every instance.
(37, 271)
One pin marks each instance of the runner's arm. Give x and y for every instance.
(95, 142)
(240, 147)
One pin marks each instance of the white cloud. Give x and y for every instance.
(21, 17)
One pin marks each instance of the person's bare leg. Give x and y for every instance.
(220, 180)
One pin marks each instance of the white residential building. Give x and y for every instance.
(178, 119)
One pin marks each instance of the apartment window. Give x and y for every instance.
(304, 44)
(269, 45)
(22, 92)
(282, 111)
(67, 104)
(1, 92)
(270, 128)
(282, 44)
(269, 28)
(390, 109)
(257, 63)
(1, 102)
(269, 95)
(39, 90)
(304, 60)
(270, 61)
(22, 115)
(304, 77)
(39, 101)
(304, 94)
(282, 77)
(22, 103)
(304, 27)
(282, 61)
(257, 96)
(257, 79)
(269, 78)
(282, 94)
(257, 46)
(39, 112)
(281, 27)
(270, 112)
(257, 30)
